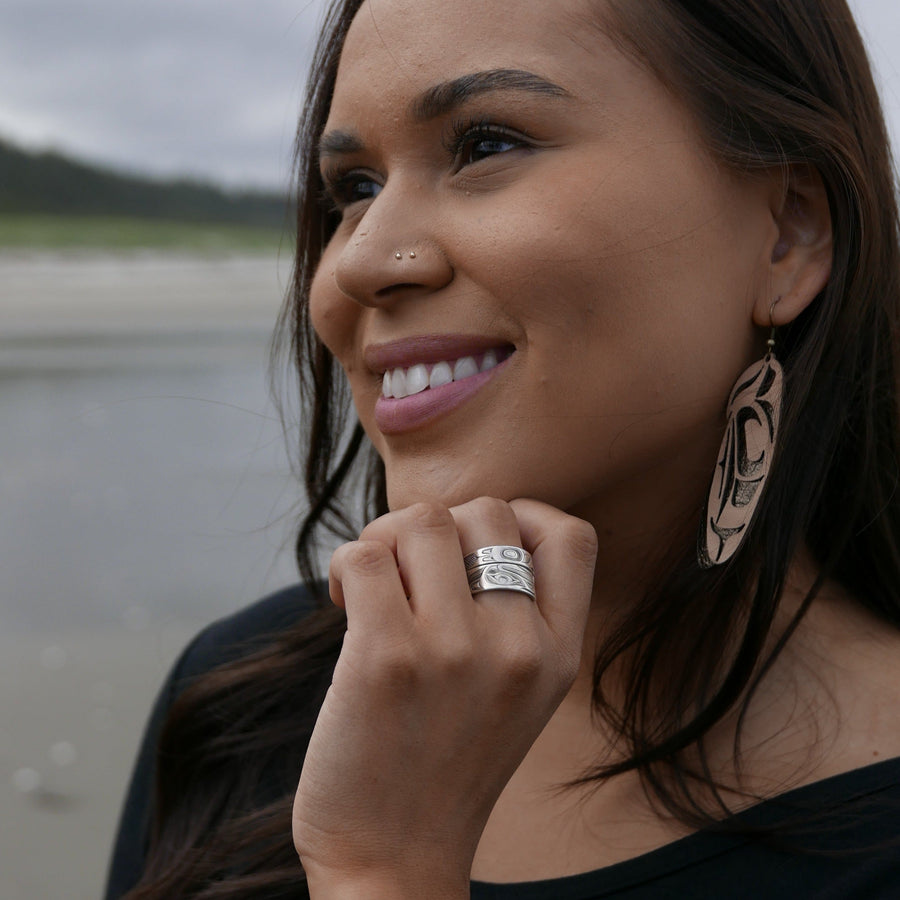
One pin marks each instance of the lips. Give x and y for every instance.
(426, 377)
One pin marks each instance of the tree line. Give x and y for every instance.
(48, 182)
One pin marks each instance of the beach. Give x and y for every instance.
(145, 490)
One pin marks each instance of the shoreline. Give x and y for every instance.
(148, 289)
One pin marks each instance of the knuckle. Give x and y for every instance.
(392, 662)
(366, 558)
(398, 665)
(580, 541)
(453, 657)
(372, 530)
(396, 670)
(523, 659)
(428, 516)
(382, 529)
(495, 513)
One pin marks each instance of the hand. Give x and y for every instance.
(437, 695)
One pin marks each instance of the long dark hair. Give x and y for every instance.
(772, 83)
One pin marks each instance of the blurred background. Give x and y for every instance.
(145, 487)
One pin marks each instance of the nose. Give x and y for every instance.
(394, 253)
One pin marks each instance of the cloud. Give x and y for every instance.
(187, 86)
(879, 22)
(205, 87)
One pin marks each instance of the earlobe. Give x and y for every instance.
(801, 254)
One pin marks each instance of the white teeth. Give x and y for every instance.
(399, 383)
(416, 380)
(464, 368)
(441, 374)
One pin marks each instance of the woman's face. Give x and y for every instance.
(516, 190)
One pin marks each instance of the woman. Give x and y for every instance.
(559, 249)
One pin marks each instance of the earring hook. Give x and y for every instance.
(771, 342)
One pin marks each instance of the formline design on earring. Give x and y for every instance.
(745, 457)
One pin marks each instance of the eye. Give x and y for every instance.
(474, 141)
(344, 190)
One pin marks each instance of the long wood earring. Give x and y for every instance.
(745, 458)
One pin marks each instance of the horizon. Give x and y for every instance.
(210, 90)
(130, 171)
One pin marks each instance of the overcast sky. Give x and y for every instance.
(206, 87)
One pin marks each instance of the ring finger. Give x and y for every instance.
(487, 522)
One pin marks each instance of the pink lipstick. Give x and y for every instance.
(427, 377)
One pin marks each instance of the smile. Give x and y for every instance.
(427, 377)
(402, 382)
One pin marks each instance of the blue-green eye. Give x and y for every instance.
(474, 141)
(350, 188)
(488, 146)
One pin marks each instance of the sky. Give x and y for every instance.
(207, 88)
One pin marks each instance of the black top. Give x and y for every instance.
(851, 851)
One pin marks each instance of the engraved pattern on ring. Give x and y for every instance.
(498, 554)
(502, 577)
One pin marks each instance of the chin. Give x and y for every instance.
(446, 491)
(402, 498)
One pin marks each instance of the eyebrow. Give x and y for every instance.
(338, 143)
(445, 97)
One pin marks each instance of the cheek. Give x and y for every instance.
(636, 317)
(631, 265)
(338, 321)
(334, 316)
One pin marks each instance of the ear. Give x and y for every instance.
(801, 253)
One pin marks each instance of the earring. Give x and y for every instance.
(745, 458)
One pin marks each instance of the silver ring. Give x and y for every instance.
(502, 576)
(501, 553)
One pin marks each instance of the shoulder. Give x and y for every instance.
(226, 640)
(239, 634)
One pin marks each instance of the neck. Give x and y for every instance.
(824, 707)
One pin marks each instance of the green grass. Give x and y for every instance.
(47, 232)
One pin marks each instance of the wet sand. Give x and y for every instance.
(144, 491)
(63, 294)
(73, 707)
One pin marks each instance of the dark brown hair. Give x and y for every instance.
(773, 84)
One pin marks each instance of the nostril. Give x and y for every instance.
(395, 288)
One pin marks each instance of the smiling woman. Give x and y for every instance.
(573, 263)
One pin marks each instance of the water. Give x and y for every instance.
(143, 471)
(144, 490)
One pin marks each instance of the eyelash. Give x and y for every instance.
(336, 195)
(467, 132)
(464, 134)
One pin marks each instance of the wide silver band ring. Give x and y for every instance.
(502, 576)
(501, 553)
